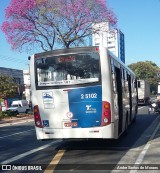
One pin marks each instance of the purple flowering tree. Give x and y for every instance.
(47, 23)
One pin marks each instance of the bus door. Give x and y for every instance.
(120, 100)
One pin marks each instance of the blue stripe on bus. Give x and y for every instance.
(86, 106)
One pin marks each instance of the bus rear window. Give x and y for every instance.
(70, 69)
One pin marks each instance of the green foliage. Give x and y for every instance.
(8, 88)
(147, 71)
(6, 114)
(2, 115)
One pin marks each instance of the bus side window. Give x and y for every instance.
(139, 84)
(135, 83)
(113, 78)
(124, 76)
(126, 80)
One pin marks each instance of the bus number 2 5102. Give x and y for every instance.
(90, 95)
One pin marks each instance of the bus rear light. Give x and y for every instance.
(97, 48)
(106, 114)
(37, 118)
(106, 105)
(38, 123)
(105, 120)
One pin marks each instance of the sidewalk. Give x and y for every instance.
(16, 119)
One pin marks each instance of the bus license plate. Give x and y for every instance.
(70, 124)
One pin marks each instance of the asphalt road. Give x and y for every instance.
(18, 145)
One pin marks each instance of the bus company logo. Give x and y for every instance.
(70, 115)
(47, 96)
(90, 110)
(88, 107)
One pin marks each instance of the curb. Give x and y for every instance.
(16, 121)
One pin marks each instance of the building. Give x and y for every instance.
(116, 44)
(112, 39)
(100, 34)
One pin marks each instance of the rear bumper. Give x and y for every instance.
(105, 132)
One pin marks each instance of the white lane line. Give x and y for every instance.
(16, 133)
(29, 152)
(129, 156)
(141, 107)
(144, 151)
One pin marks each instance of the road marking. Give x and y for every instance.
(131, 155)
(141, 107)
(54, 162)
(144, 151)
(29, 152)
(16, 134)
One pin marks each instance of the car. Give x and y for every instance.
(19, 106)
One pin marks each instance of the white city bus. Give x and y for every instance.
(83, 92)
